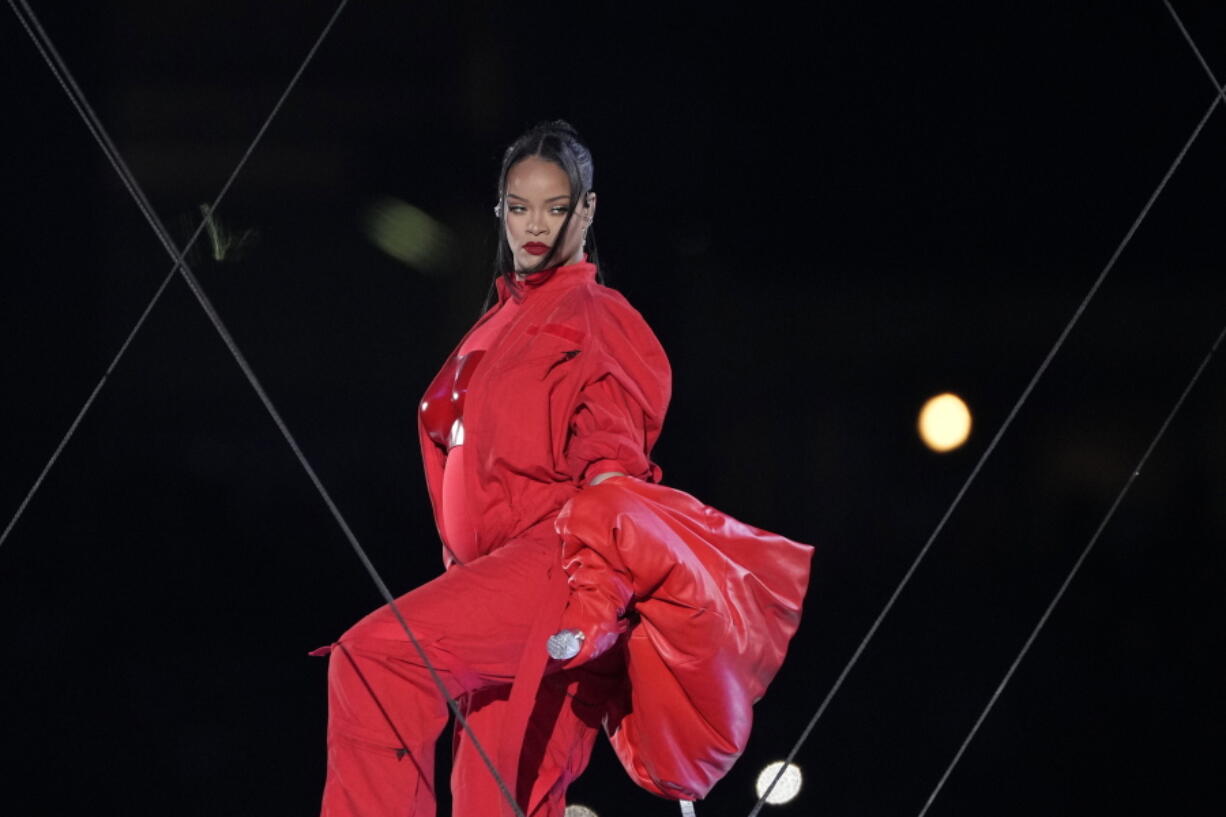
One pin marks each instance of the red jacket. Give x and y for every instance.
(577, 385)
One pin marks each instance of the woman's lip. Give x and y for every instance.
(536, 248)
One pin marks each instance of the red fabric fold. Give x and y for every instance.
(714, 604)
(528, 678)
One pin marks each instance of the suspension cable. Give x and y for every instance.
(1195, 49)
(51, 56)
(1085, 552)
(1072, 573)
(983, 458)
(64, 76)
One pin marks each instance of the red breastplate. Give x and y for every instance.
(443, 405)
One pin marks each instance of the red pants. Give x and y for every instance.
(474, 622)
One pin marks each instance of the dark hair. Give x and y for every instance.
(556, 142)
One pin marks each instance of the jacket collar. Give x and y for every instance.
(562, 277)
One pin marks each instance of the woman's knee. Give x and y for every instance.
(382, 626)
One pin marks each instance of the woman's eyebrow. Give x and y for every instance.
(551, 198)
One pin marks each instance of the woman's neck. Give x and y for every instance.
(521, 276)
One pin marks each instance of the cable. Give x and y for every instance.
(1195, 50)
(983, 458)
(1136, 472)
(64, 76)
(52, 57)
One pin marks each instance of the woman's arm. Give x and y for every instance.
(620, 408)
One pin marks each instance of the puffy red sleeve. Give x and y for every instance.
(624, 397)
(716, 603)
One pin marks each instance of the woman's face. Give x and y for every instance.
(538, 199)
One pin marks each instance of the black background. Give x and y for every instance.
(827, 214)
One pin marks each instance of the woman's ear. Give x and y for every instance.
(589, 207)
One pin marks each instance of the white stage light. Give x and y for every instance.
(786, 789)
(577, 810)
(944, 422)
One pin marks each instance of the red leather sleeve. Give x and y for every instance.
(716, 603)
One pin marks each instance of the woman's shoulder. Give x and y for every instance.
(604, 313)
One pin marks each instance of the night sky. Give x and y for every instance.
(827, 215)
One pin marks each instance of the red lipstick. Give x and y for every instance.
(536, 248)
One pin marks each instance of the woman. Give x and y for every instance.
(560, 387)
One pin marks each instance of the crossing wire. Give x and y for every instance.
(1085, 552)
(46, 48)
(987, 453)
(63, 75)
(1072, 573)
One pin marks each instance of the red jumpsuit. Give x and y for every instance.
(572, 385)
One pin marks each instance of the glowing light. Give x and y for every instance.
(576, 810)
(409, 235)
(944, 422)
(786, 789)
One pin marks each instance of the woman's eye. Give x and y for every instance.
(516, 208)
(560, 211)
